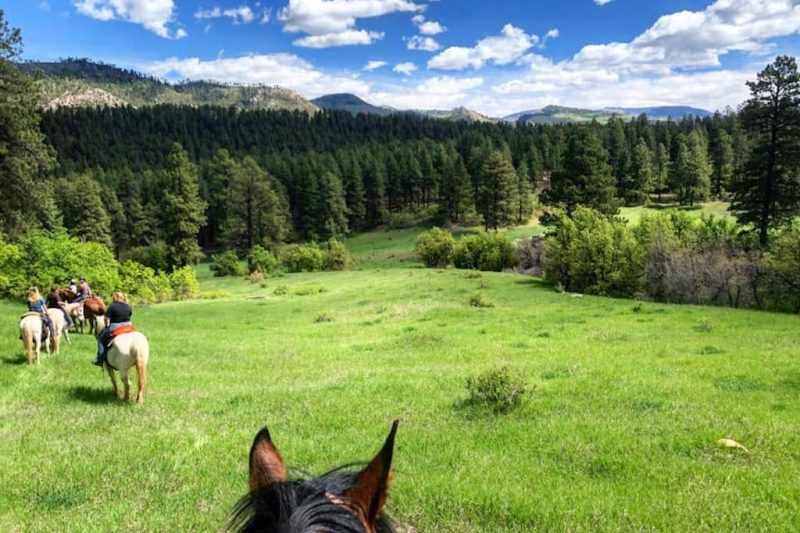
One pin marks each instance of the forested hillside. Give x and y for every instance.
(338, 172)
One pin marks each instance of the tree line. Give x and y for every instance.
(173, 180)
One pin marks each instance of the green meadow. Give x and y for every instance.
(618, 429)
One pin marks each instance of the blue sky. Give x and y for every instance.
(497, 57)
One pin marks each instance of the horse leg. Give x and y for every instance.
(126, 381)
(113, 379)
(29, 346)
(66, 335)
(141, 379)
(38, 349)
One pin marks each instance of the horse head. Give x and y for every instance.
(67, 295)
(341, 500)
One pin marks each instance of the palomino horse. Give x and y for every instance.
(75, 310)
(59, 328)
(31, 329)
(128, 350)
(337, 501)
(92, 308)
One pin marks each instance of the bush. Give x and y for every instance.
(338, 256)
(154, 256)
(263, 261)
(184, 283)
(256, 277)
(414, 217)
(54, 258)
(304, 258)
(485, 251)
(479, 300)
(225, 264)
(592, 254)
(281, 290)
(435, 247)
(12, 279)
(497, 389)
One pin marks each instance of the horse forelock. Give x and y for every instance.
(304, 505)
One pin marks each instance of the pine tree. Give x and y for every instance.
(331, 210)
(586, 178)
(642, 173)
(697, 183)
(524, 197)
(182, 210)
(767, 191)
(497, 191)
(255, 214)
(721, 162)
(24, 156)
(80, 200)
(661, 170)
(454, 191)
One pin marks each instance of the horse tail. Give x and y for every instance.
(28, 340)
(141, 353)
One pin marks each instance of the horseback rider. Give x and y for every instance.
(73, 286)
(84, 291)
(37, 304)
(54, 301)
(118, 314)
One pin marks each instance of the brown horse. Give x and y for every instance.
(93, 307)
(67, 295)
(341, 500)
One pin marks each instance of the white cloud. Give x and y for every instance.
(44, 5)
(180, 33)
(373, 65)
(427, 27)
(239, 15)
(285, 70)
(418, 42)
(501, 49)
(333, 22)
(442, 92)
(344, 38)
(602, 2)
(697, 39)
(405, 68)
(154, 15)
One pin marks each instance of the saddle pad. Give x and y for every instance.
(30, 313)
(121, 331)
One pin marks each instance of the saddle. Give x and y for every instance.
(122, 330)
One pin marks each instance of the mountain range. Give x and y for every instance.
(85, 83)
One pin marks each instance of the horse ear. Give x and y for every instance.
(266, 464)
(372, 483)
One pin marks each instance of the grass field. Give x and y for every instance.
(618, 433)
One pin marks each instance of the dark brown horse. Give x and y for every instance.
(67, 295)
(339, 501)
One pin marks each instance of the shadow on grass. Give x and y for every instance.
(12, 360)
(93, 395)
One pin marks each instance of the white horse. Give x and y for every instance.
(30, 329)
(126, 351)
(59, 327)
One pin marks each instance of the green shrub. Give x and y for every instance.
(589, 253)
(54, 258)
(256, 277)
(485, 251)
(304, 258)
(225, 264)
(154, 255)
(413, 217)
(497, 389)
(281, 290)
(12, 279)
(262, 260)
(479, 300)
(214, 295)
(338, 256)
(435, 247)
(184, 283)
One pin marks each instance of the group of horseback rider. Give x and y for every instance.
(118, 313)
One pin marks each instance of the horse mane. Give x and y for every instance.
(302, 505)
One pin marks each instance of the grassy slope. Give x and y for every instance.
(619, 433)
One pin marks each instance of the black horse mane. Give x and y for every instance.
(302, 505)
